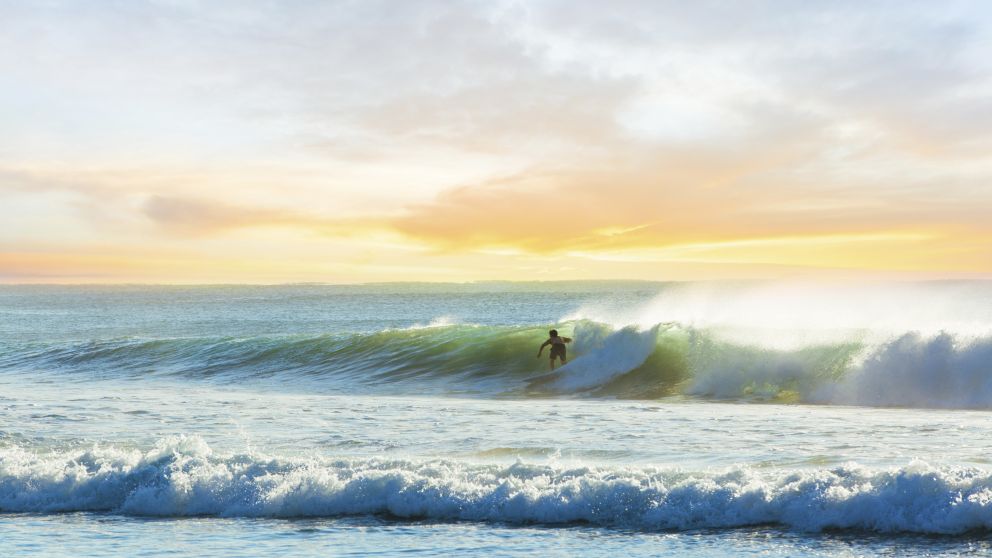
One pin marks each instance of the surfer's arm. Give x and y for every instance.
(541, 350)
(566, 339)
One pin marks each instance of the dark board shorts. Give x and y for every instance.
(558, 351)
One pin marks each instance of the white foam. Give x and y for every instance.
(437, 321)
(912, 370)
(183, 477)
(917, 371)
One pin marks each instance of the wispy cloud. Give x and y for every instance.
(198, 216)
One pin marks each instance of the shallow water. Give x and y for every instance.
(396, 420)
(111, 535)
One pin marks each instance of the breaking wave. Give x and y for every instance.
(910, 369)
(183, 477)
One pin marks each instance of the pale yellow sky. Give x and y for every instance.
(187, 142)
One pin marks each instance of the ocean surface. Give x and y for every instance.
(693, 419)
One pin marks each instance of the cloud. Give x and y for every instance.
(188, 216)
(199, 215)
(712, 129)
(532, 79)
(749, 208)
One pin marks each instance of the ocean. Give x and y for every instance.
(692, 419)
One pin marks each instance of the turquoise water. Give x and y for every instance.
(692, 419)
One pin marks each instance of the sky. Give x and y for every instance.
(177, 141)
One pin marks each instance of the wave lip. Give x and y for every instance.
(182, 477)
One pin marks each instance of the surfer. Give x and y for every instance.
(557, 347)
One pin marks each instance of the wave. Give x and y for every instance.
(911, 369)
(455, 353)
(183, 477)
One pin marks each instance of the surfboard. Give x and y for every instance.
(547, 378)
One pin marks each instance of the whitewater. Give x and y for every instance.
(714, 418)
